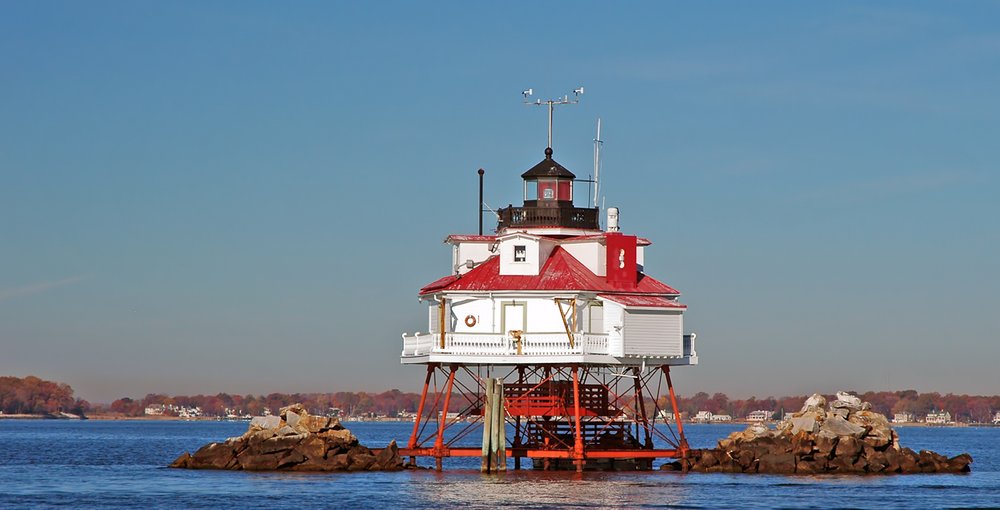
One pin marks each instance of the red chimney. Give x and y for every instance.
(621, 260)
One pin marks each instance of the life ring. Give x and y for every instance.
(470, 321)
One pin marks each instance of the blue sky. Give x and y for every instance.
(245, 197)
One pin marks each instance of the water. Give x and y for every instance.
(93, 464)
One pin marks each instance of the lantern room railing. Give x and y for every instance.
(569, 217)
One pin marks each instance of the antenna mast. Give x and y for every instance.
(552, 103)
(597, 162)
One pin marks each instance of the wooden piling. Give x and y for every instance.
(494, 430)
(487, 424)
(501, 427)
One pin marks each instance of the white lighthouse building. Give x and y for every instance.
(567, 316)
(550, 287)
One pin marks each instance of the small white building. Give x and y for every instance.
(760, 415)
(721, 418)
(702, 416)
(189, 412)
(996, 418)
(904, 418)
(665, 415)
(155, 410)
(938, 418)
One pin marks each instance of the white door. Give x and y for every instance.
(597, 318)
(513, 317)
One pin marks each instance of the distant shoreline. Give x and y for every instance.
(60, 416)
(116, 417)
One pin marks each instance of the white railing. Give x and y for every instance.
(495, 344)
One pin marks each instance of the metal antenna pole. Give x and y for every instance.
(597, 162)
(481, 172)
(552, 107)
(552, 103)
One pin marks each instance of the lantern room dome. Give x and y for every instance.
(548, 167)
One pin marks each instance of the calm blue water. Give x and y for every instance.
(93, 464)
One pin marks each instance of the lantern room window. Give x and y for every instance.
(549, 189)
(530, 190)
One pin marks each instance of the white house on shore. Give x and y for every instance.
(760, 415)
(939, 418)
(702, 416)
(904, 418)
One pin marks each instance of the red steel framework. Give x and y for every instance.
(563, 416)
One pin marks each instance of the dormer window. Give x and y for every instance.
(520, 254)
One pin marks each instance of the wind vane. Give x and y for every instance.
(552, 103)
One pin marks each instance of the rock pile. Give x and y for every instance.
(296, 441)
(848, 437)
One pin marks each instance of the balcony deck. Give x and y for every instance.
(535, 348)
(568, 217)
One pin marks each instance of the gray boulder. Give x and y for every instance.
(836, 426)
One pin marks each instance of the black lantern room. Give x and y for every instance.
(548, 184)
(548, 200)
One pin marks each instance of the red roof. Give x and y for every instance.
(642, 301)
(561, 272)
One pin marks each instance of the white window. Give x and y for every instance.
(520, 254)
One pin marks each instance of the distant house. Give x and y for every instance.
(940, 418)
(155, 410)
(760, 415)
(996, 418)
(189, 412)
(665, 414)
(702, 416)
(718, 418)
(904, 418)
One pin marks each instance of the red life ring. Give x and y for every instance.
(470, 321)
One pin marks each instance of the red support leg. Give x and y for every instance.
(439, 444)
(641, 408)
(677, 418)
(578, 437)
(420, 413)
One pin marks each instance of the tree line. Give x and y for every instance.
(966, 408)
(388, 403)
(32, 395)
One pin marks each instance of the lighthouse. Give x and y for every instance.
(564, 314)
